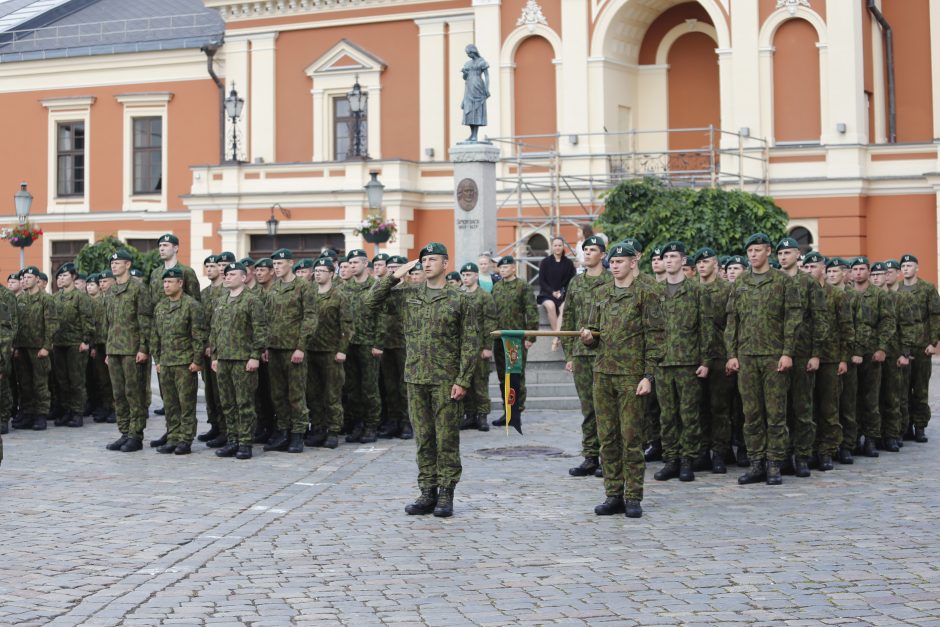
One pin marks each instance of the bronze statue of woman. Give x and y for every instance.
(476, 78)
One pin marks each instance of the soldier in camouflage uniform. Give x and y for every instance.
(37, 322)
(628, 351)
(217, 435)
(390, 347)
(362, 368)
(927, 317)
(477, 402)
(71, 343)
(515, 309)
(848, 397)
(264, 405)
(8, 329)
(764, 314)
(178, 345)
(896, 371)
(101, 378)
(236, 341)
(442, 347)
(128, 315)
(292, 315)
(651, 412)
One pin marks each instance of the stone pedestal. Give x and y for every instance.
(474, 200)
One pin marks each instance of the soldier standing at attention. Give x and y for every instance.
(477, 403)
(442, 347)
(216, 436)
(657, 264)
(927, 315)
(848, 396)
(362, 368)
(292, 314)
(629, 349)
(71, 343)
(264, 281)
(515, 309)
(236, 341)
(896, 371)
(654, 451)
(380, 265)
(251, 283)
(37, 323)
(327, 350)
(582, 312)
(8, 328)
(128, 316)
(390, 346)
(764, 315)
(101, 378)
(178, 344)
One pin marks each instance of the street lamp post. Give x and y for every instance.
(272, 223)
(375, 191)
(357, 105)
(22, 200)
(233, 109)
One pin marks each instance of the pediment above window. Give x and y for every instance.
(346, 58)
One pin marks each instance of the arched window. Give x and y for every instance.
(796, 84)
(536, 248)
(803, 237)
(534, 90)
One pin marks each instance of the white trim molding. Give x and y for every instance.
(48, 237)
(145, 105)
(75, 109)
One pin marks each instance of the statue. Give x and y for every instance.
(476, 78)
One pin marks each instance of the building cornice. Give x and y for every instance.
(239, 10)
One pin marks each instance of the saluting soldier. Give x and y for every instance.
(71, 344)
(515, 309)
(8, 328)
(477, 402)
(217, 435)
(38, 321)
(362, 368)
(101, 378)
(178, 344)
(390, 346)
(927, 315)
(442, 346)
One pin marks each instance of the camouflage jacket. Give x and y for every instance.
(335, 323)
(839, 344)
(364, 321)
(442, 339)
(632, 330)
(190, 283)
(292, 314)
(76, 318)
(37, 320)
(905, 335)
(515, 306)
(484, 311)
(764, 314)
(581, 310)
(875, 320)
(689, 327)
(239, 327)
(208, 297)
(391, 331)
(717, 293)
(98, 304)
(8, 319)
(128, 317)
(926, 312)
(179, 332)
(816, 322)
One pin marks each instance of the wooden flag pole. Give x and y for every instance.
(548, 333)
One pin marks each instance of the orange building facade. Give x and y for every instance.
(791, 98)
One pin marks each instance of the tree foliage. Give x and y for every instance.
(97, 257)
(655, 213)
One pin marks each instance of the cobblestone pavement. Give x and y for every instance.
(101, 538)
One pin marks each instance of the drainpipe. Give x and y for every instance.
(889, 60)
(210, 49)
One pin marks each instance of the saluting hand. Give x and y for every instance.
(403, 270)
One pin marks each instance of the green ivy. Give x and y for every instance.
(97, 257)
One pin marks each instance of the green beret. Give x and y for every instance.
(416, 268)
(14, 276)
(210, 259)
(93, 278)
(704, 253)
(434, 248)
(267, 262)
(106, 274)
(225, 257)
(304, 264)
(621, 250)
(470, 267)
(381, 257)
(356, 252)
(235, 266)
(453, 276)
(282, 253)
(860, 261)
(723, 260)
(892, 264)
(505, 261)
(329, 252)
(248, 262)
(66, 268)
(657, 252)
(787, 242)
(169, 237)
(836, 262)
(398, 259)
(757, 238)
(121, 255)
(634, 244)
(33, 270)
(689, 262)
(81, 277)
(774, 263)
(878, 267)
(908, 258)
(137, 272)
(814, 256)
(737, 260)
(324, 262)
(673, 247)
(594, 240)
(173, 273)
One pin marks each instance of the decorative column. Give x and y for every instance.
(474, 200)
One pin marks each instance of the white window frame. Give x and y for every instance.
(76, 109)
(62, 236)
(145, 105)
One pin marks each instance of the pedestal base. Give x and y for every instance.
(474, 200)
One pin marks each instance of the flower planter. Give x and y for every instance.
(377, 237)
(22, 242)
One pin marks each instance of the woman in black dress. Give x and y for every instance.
(555, 272)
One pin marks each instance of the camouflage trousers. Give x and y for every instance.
(869, 390)
(920, 383)
(848, 407)
(102, 378)
(499, 357)
(582, 368)
(826, 395)
(392, 371)
(264, 406)
(326, 377)
(800, 409)
(32, 373)
(904, 398)
(764, 399)
(889, 400)
(477, 400)
(362, 387)
(178, 387)
(6, 388)
(129, 404)
(436, 422)
(288, 390)
(619, 428)
(652, 412)
(716, 408)
(213, 403)
(69, 367)
(237, 389)
(680, 395)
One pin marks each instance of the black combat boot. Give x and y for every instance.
(613, 505)
(773, 473)
(406, 431)
(802, 467)
(483, 422)
(166, 449)
(315, 438)
(111, 418)
(825, 462)
(891, 445)
(355, 435)
(919, 435)
(132, 445)
(100, 414)
(62, 418)
(77, 420)
(632, 509)
(117, 444)
(296, 443)
(160, 412)
(740, 457)
(845, 455)
(159, 441)
(586, 469)
(183, 448)
(368, 436)
(868, 449)
(909, 433)
(262, 435)
(388, 431)
(718, 464)
(499, 421)
(228, 450)
(670, 470)
(685, 469)
(786, 466)
(756, 474)
(39, 422)
(331, 441)
(218, 441)
(243, 452)
(445, 503)
(469, 421)
(4, 427)
(599, 473)
(703, 461)
(211, 434)
(424, 504)
(654, 451)
(56, 415)
(279, 441)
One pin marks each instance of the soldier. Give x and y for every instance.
(651, 414)
(13, 283)
(105, 281)
(515, 309)
(37, 322)
(71, 343)
(442, 346)
(168, 248)
(877, 275)
(848, 396)
(251, 282)
(477, 403)
(453, 279)
(128, 317)
(236, 342)
(657, 264)
(216, 436)
(416, 274)
(927, 315)
(875, 323)
(345, 271)
(264, 281)
(292, 314)
(178, 344)
(362, 368)
(137, 275)
(896, 371)
(327, 350)
(380, 265)
(8, 330)
(763, 318)
(688, 268)
(390, 348)
(737, 265)
(582, 312)
(303, 269)
(629, 349)
(716, 405)
(101, 378)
